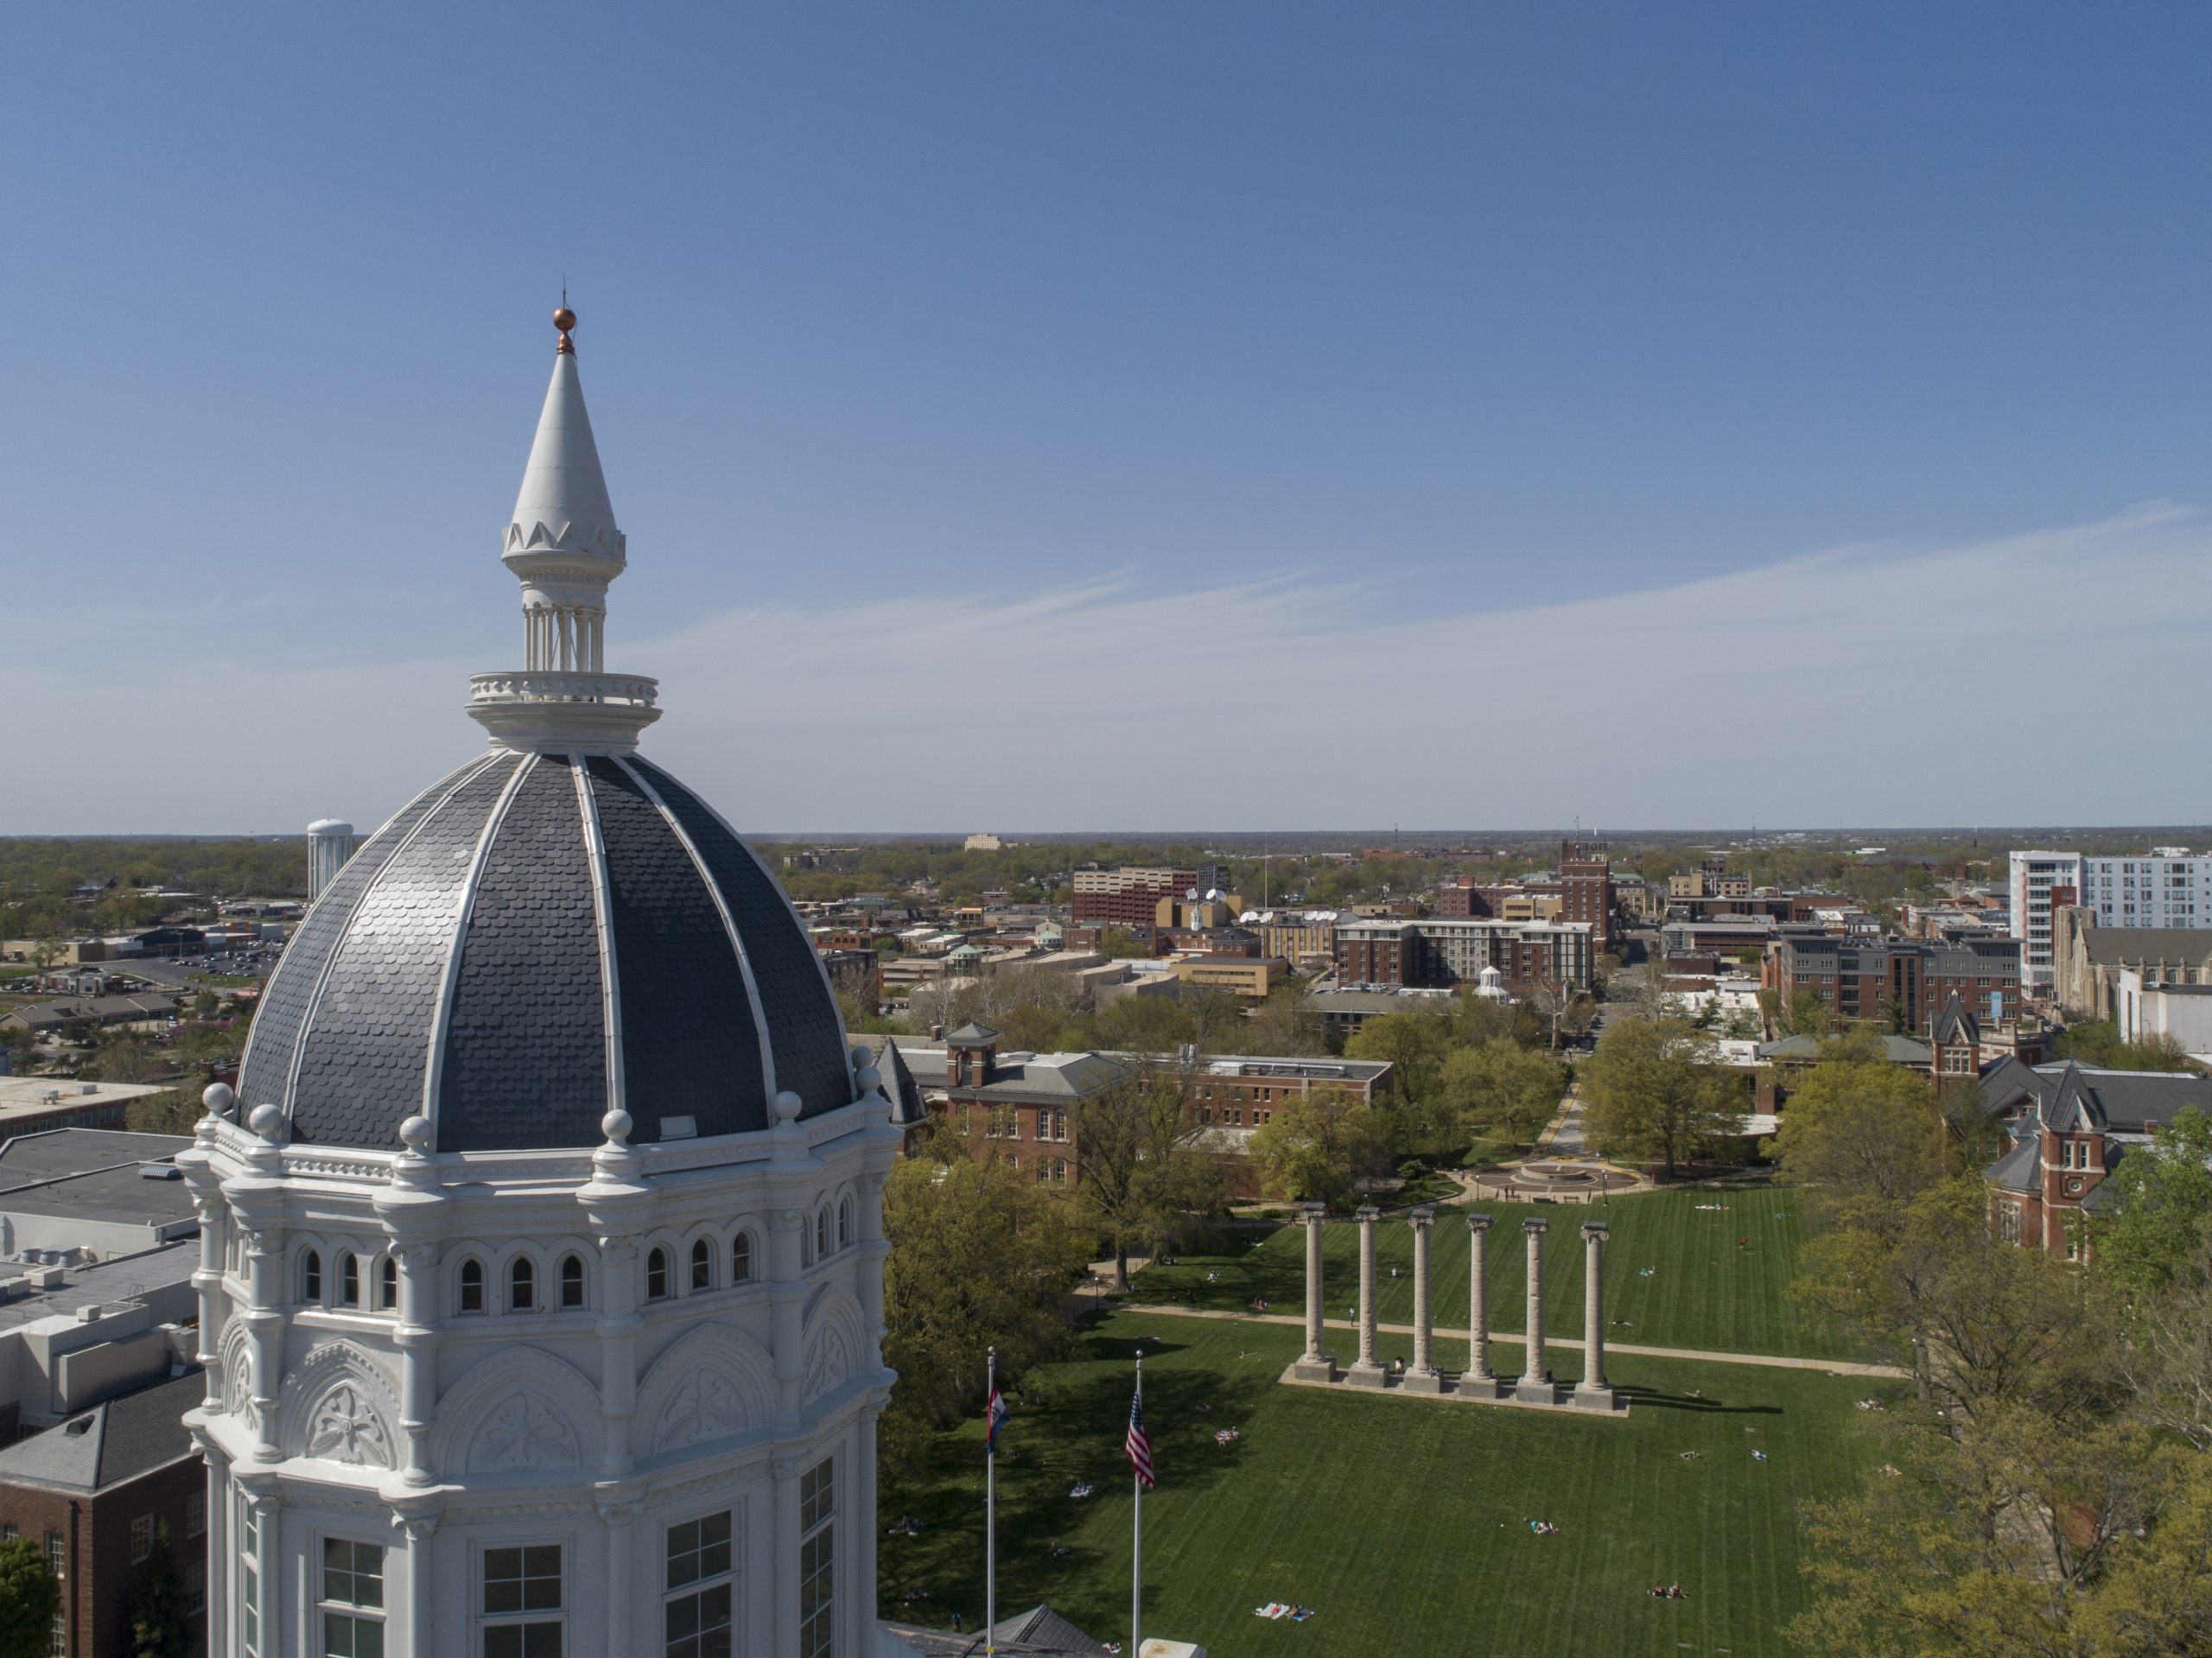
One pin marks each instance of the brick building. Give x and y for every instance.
(94, 1488)
(1127, 897)
(2071, 1126)
(1897, 980)
(1585, 891)
(1442, 951)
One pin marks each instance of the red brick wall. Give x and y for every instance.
(99, 1573)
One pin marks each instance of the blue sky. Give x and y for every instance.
(1201, 388)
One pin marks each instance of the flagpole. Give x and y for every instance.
(1136, 1561)
(990, 1506)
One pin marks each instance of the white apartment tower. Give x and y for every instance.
(330, 843)
(541, 1291)
(2166, 886)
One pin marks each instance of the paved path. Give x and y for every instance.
(1562, 1137)
(1773, 1361)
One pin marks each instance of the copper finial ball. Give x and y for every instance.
(564, 318)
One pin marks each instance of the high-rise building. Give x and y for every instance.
(2166, 886)
(1127, 897)
(541, 1284)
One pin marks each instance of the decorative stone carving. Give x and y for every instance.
(705, 1405)
(522, 1433)
(826, 1363)
(344, 1427)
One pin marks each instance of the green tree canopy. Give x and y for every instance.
(2162, 1223)
(1319, 1145)
(28, 1598)
(1499, 1089)
(1655, 1090)
(980, 1257)
(1143, 1172)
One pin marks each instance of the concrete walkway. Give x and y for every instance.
(1772, 1361)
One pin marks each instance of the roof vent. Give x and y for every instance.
(82, 1424)
(679, 1128)
(89, 1314)
(160, 1172)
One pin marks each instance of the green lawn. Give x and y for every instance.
(1706, 1293)
(1403, 1522)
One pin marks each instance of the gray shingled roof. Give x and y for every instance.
(2121, 946)
(110, 1443)
(2016, 1170)
(1038, 1633)
(2128, 1101)
(458, 959)
(1022, 1081)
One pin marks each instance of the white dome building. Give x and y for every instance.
(542, 1274)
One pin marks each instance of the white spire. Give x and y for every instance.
(563, 506)
(564, 547)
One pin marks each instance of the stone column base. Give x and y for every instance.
(1473, 1387)
(1535, 1390)
(1310, 1370)
(1368, 1376)
(1589, 1398)
(1422, 1382)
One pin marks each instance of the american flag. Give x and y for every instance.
(1139, 1443)
(993, 1414)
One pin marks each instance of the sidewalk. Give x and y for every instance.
(1773, 1361)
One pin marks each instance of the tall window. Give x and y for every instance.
(822, 1232)
(472, 1286)
(388, 1283)
(249, 1580)
(817, 1560)
(522, 1285)
(844, 1222)
(572, 1280)
(740, 1259)
(695, 1607)
(353, 1599)
(657, 1275)
(522, 1602)
(195, 1513)
(311, 1276)
(349, 1280)
(702, 1266)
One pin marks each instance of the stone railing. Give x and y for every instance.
(622, 690)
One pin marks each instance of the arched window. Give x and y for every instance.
(740, 1259)
(822, 1231)
(703, 1266)
(844, 1222)
(522, 1285)
(388, 1283)
(472, 1286)
(657, 1275)
(349, 1280)
(311, 1277)
(572, 1280)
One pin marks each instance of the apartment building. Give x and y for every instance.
(2168, 887)
(1127, 897)
(1877, 980)
(1441, 951)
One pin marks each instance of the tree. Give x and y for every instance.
(1319, 1145)
(1499, 1089)
(171, 1111)
(2162, 1223)
(2097, 1042)
(1655, 1090)
(1414, 1044)
(1119, 942)
(28, 1598)
(1142, 1171)
(1864, 1140)
(980, 1257)
(160, 1625)
(1284, 1024)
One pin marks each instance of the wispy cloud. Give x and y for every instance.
(2046, 677)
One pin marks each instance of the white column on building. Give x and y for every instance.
(218, 1563)
(1367, 1371)
(862, 1531)
(785, 1597)
(422, 1631)
(620, 1518)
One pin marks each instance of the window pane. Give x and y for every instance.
(541, 1641)
(505, 1642)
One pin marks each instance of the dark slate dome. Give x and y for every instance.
(531, 941)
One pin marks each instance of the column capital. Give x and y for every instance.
(1479, 1222)
(1313, 1214)
(1368, 1215)
(1423, 1217)
(1535, 1224)
(1595, 1229)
